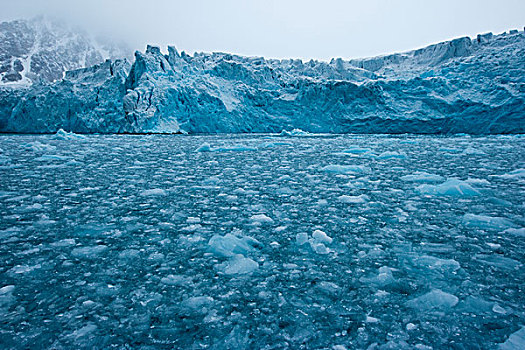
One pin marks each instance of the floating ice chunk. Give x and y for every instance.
(354, 199)
(477, 182)
(520, 232)
(261, 219)
(296, 133)
(498, 309)
(275, 144)
(422, 177)
(346, 169)
(513, 175)
(473, 151)
(234, 148)
(205, 147)
(318, 247)
(451, 187)
(410, 326)
(7, 289)
(230, 245)
(498, 261)
(64, 135)
(433, 300)
(383, 278)
(129, 255)
(391, 155)
(301, 238)
(516, 341)
(485, 222)
(50, 158)
(329, 287)
(356, 150)
(91, 252)
(175, 280)
(321, 237)
(40, 147)
(153, 192)
(239, 265)
(84, 331)
(197, 305)
(436, 264)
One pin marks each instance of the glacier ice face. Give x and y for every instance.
(458, 86)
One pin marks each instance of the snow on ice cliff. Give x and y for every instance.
(42, 48)
(459, 86)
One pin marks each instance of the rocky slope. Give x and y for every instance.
(41, 48)
(459, 86)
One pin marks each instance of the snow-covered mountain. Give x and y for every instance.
(42, 48)
(464, 85)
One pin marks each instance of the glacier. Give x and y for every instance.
(465, 85)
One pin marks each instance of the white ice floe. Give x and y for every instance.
(175, 280)
(91, 252)
(486, 222)
(239, 265)
(391, 155)
(317, 242)
(517, 174)
(64, 135)
(51, 157)
(206, 147)
(516, 341)
(260, 219)
(451, 187)
(230, 245)
(356, 150)
(422, 177)
(435, 300)
(361, 199)
(346, 169)
(321, 237)
(153, 192)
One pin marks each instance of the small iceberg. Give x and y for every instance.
(451, 187)
(61, 134)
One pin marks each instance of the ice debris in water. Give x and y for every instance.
(485, 222)
(363, 198)
(451, 187)
(297, 133)
(230, 245)
(64, 135)
(422, 177)
(317, 242)
(356, 150)
(435, 300)
(153, 192)
(206, 147)
(517, 174)
(239, 265)
(391, 155)
(516, 341)
(259, 249)
(346, 169)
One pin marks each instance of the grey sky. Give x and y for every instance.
(285, 28)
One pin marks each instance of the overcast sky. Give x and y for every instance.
(319, 29)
